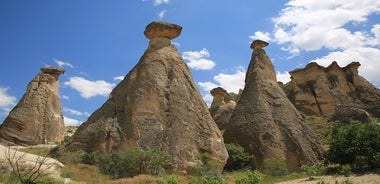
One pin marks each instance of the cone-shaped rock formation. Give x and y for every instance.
(266, 123)
(157, 105)
(37, 118)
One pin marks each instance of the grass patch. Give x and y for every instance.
(84, 173)
(37, 151)
(266, 179)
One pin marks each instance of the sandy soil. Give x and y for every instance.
(356, 179)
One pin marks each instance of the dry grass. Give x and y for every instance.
(84, 173)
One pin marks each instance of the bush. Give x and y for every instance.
(250, 178)
(275, 167)
(129, 163)
(356, 144)
(346, 170)
(238, 158)
(208, 180)
(317, 169)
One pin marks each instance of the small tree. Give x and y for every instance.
(238, 158)
(356, 144)
(26, 174)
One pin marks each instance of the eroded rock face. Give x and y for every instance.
(317, 90)
(223, 104)
(345, 114)
(157, 105)
(37, 118)
(266, 123)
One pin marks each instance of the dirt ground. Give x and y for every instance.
(356, 179)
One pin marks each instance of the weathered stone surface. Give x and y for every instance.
(266, 123)
(345, 113)
(162, 29)
(37, 118)
(258, 44)
(317, 90)
(157, 105)
(222, 106)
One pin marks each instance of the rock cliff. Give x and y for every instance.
(318, 90)
(266, 123)
(37, 118)
(157, 105)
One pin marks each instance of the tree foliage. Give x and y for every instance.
(356, 144)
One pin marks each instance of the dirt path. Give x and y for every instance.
(356, 179)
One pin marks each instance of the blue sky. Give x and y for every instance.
(99, 42)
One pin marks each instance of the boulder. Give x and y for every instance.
(37, 118)
(345, 113)
(157, 105)
(317, 90)
(162, 29)
(267, 124)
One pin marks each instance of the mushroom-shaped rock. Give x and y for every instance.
(53, 70)
(162, 29)
(219, 91)
(258, 44)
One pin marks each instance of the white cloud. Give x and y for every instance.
(121, 77)
(230, 82)
(65, 97)
(159, 2)
(265, 36)
(311, 25)
(72, 111)
(71, 122)
(161, 14)
(207, 86)
(6, 101)
(62, 63)
(197, 60)
(283, 77)
(88, 89)
(340, 27)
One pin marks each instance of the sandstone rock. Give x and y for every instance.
(222, 106)
(37, 118)
(157, 105)
(258, 44)
(345, 113)
(266, 123)
(317, 90)
(162, 29)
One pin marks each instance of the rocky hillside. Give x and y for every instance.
(318, 90)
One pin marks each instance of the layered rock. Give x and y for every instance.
(223, 104)
(266, 123)
(157, 105)
(345, 114)
(317, 89)
(37, 118)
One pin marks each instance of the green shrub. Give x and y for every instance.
(128, 163)
(238, 158)
(250, 178)
(346, 170)
(317, 169)
(208, 180)
(275, 167)
(356, 143)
